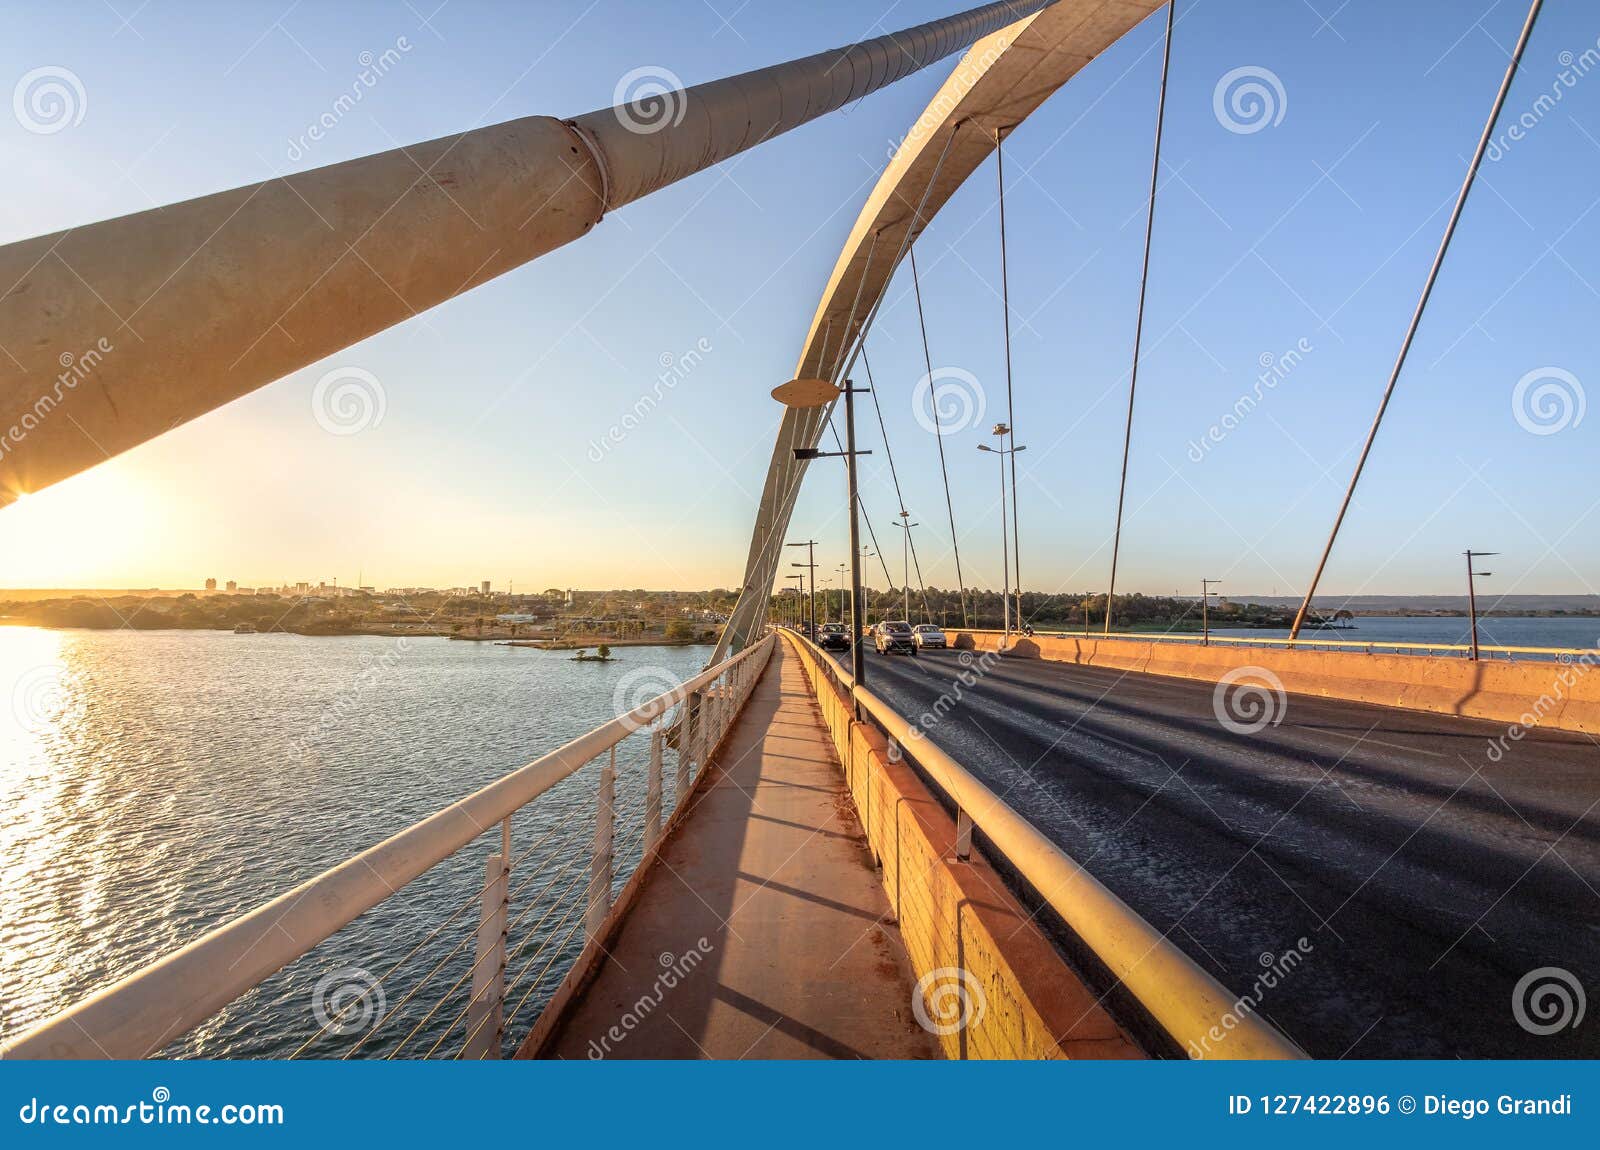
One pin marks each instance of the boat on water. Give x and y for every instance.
(245, 629)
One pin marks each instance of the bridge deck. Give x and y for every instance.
(769, 879)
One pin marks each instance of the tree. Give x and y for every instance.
(603, 651)
(679, 631)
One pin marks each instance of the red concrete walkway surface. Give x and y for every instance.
(763, 930)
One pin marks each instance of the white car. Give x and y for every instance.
(927, 635)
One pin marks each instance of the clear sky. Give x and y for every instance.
(1313, 233)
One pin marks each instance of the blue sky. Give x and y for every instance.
(1313, 233)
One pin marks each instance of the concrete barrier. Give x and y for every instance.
(1562, 696)
(991, 984)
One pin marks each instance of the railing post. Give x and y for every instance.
(686, 751)
(486, 1007)
(652, 793)
(600, 866)
(963, 834)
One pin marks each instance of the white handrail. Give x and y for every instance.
(142, 1013)
(1184, 1000)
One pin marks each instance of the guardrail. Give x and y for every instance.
(146, 1011)
(1188, 1004)
(1367, 645)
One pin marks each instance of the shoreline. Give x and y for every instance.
(501, 640)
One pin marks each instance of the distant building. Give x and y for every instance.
(483, 588)
(233, 586)
(211, 584)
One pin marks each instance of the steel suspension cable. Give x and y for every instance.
(1011, 412)
(1422, 303)
(1138, 325)
(938, 438)
(861, 504)
(894, 475)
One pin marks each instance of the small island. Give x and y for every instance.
(602, 655)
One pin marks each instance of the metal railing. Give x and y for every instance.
(537, 910)
(1188, 1004)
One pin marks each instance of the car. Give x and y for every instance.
(833, 637)
(894, 635)
(927, 635)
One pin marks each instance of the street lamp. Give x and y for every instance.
(1001, 431)
(1205, 617)
(810, 393)
(799, 601)
(1472, 594)
(811, 562)
(905, 524)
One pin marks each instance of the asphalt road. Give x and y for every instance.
(1425, 879)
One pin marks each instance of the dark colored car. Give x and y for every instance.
(895, 635)
(833, 637)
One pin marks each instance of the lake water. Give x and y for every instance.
(156, 784)
(1568, 632)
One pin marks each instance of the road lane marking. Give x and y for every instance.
(1377, 742)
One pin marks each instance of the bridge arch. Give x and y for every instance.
(1002, 80)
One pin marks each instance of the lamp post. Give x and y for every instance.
(799, 601)
(1000, 432)
(806, 393)
(1205, 614)
(905, 524)
(866, 607)
(1472, 593)
(811, 563)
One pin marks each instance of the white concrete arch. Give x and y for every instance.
(1001, 80)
